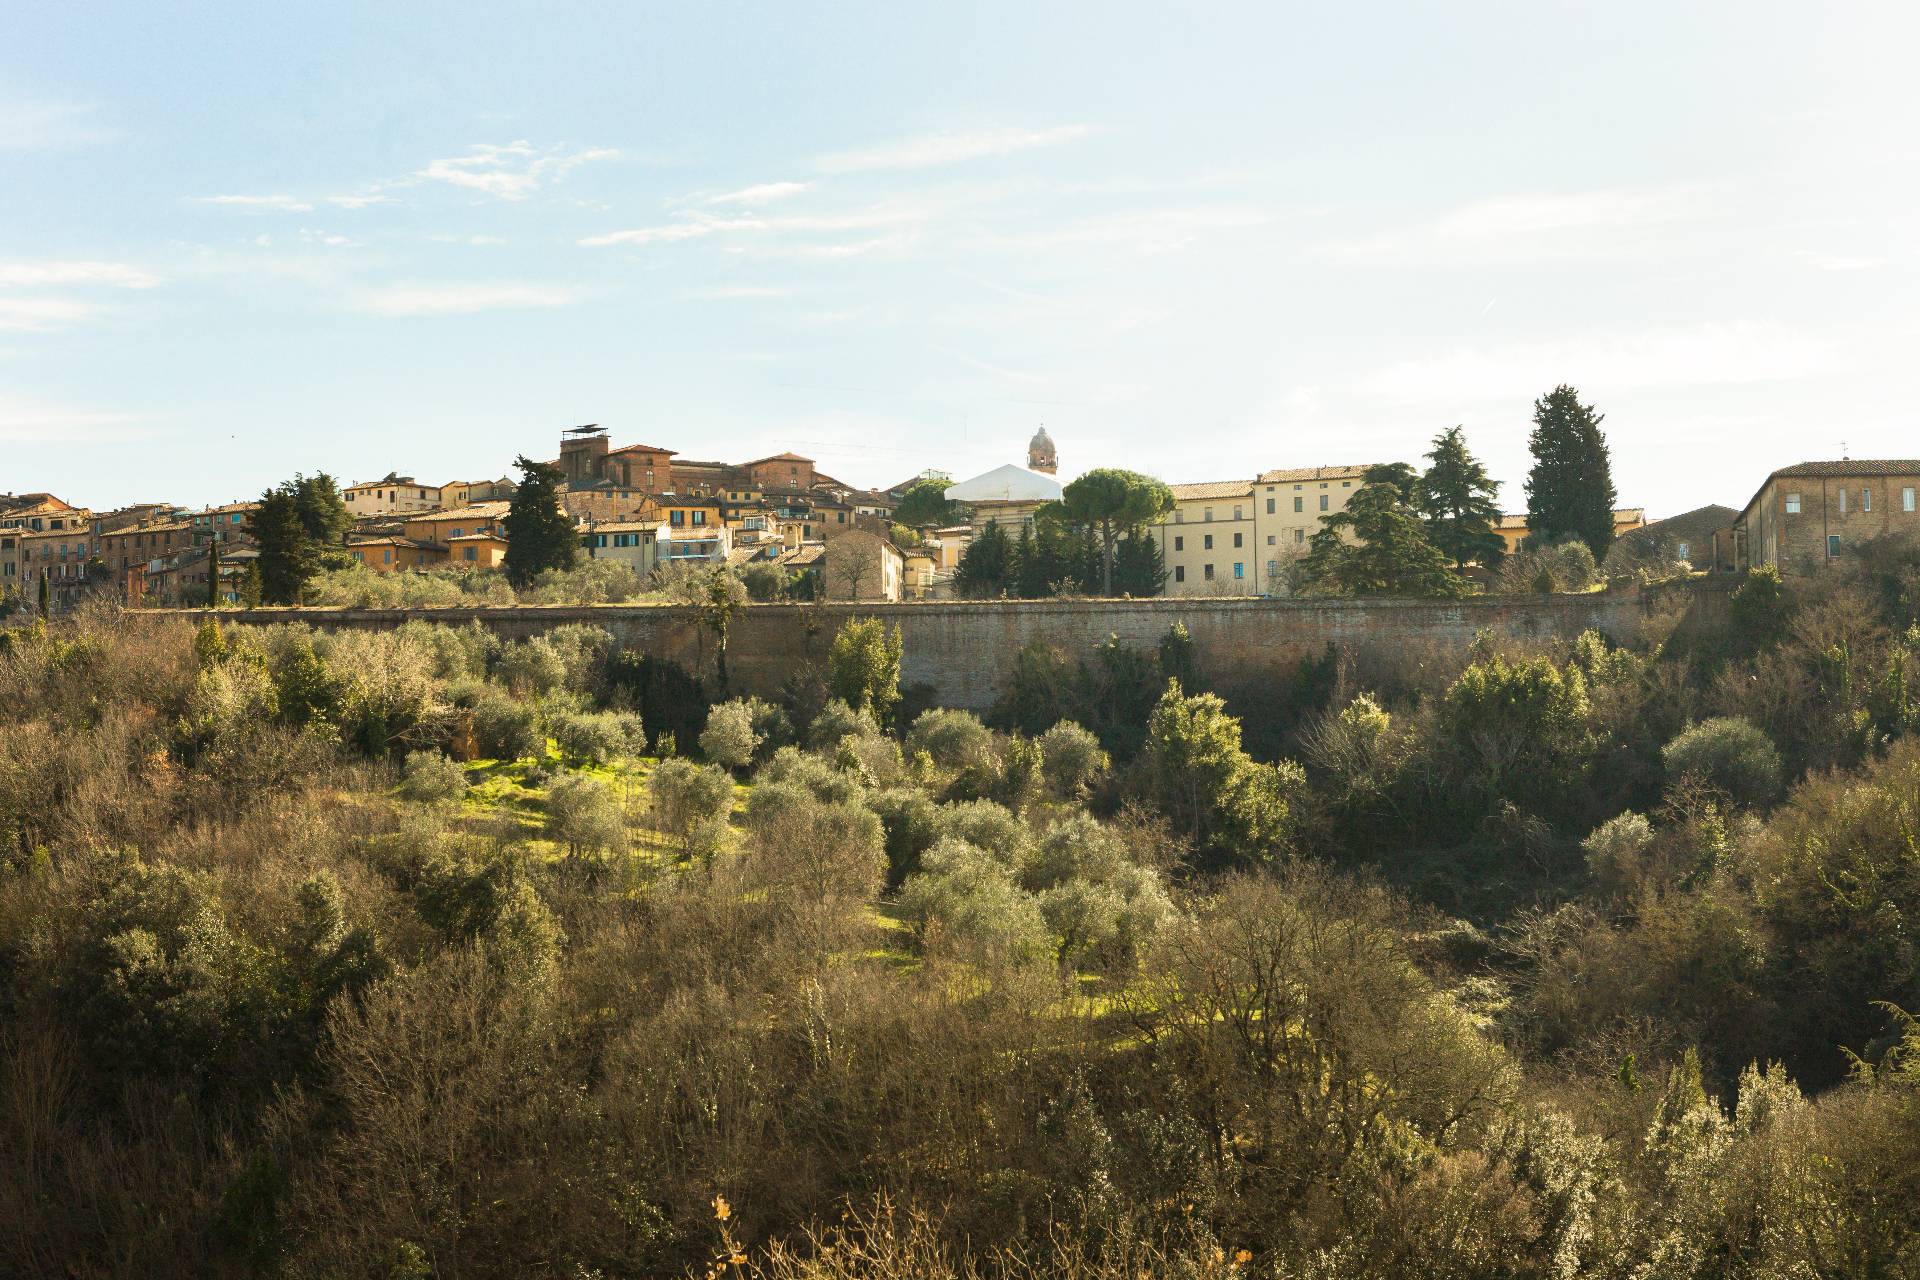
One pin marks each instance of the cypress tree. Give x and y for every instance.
(985, 567)
(45, 594)
(1570, 489)
(288, 558)
(1139, 568)
(1455, 496)
(540, 534)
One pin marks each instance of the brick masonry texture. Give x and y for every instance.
(965, 650)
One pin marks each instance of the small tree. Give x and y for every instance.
(430, 778)
(1570, 490)
(540, 534)
(863, 667)
(1139, 568)
(323, 513)
(1112, 503)
(1214, 794)
(1455, 498)
(585, 814)
(1070, 760)
(691, 803)
(925, 502)
(729, 738)
(716, 596)
(1729, 754)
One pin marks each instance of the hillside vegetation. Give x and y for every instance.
(416, 954)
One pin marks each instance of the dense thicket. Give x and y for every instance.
(420, 954)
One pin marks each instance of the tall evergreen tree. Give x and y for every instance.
(540, 534)
(1455, 496)
(986, 566)
(288, 558)
(1389, 554)
(46, 602)
(322, 510)
(926, 503)
(1570, 489)
(1027, 567)
(1139, 569)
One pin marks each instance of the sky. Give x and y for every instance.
(240, 241)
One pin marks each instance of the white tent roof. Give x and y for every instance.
(1006, 484)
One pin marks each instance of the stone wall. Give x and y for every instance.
(965, 649)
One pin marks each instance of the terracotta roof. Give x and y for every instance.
(1211, 489)
(1853, 467)
(805, 554)
(625, 526)
(1621, 515)
(639, 448)
(476, 537)
(1289, 475)
(476, 511)
(778, 457)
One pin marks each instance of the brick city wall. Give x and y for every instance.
(965, 650)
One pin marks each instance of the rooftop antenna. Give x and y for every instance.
(1843, 451)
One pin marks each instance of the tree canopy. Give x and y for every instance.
(1570, 490)
(540, 534)
(925, 502)
(1455, 496)
(1113, 502)
(1389, 553)
(289, 556)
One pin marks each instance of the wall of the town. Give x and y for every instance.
(965, 649)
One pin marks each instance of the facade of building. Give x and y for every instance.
(123, 549)
(395, 553)
(1209, 541)
(464, 493)
(1808, 515)
(693, 544)
(484, 549)
(391, 495)
(862, 565)
(1692, 536)
(439, 527)
(634, 543)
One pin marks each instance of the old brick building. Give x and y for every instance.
(1806, 516)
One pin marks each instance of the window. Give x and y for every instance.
(1684, 551)
(1273, 568)
(1179, 573)
(676, 518)
(1236, 513)
(1207, 514)
(1269, 539)
(700, 517)
(1269, 506)
(1179, 517)
(1842, 495)
(1206, 543)
(1236, 539)
(1299, 535)
(1206, 571)
(1793, 504)
(386, 557)
(1299, 505)
(1866, 499)
(1239, 569)
(1833, 544)
(470, 553)
(1179, 543)
(1906, 499)
(1323, 502)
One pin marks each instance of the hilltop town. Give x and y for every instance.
(790, 530)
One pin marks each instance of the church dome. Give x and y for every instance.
(1040, 453)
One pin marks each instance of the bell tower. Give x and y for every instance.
(1041, 456)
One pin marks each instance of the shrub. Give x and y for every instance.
(1729, 754)
(729, 739)
(430, 778)
(1517, 730)
(1232, 809)
(964, 900)
(531, 668)
(586, 815)
(504, 728)
(911, 824)
(691, 803)
(839, 720)
(989, 827)
(822, 777)
(1616, 852)
(953, 739)
(595, 737)
(1071, 760)
(863, 667)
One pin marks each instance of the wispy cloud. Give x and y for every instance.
(761, 193)
(1151, 231)
(727, 293)
(694, 225)
(464, 299)
(117, 274)
(26, 420)
(1838, 261)
(510, 171)
(930, 150)
(1533, 227)
(330, 239)
(357, 201)
(1710, 355)
(259, 204)
(32, 126)
(37, 315)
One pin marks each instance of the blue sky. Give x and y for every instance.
(240, 241)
